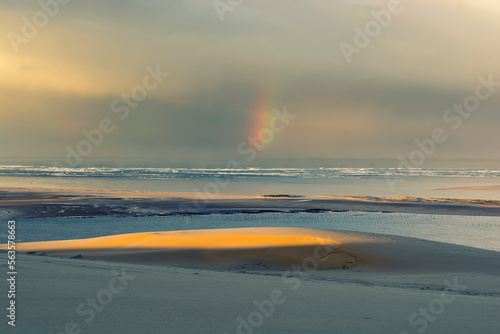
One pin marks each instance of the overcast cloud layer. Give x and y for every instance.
(394, 91)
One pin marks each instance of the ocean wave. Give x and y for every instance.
(240, 173)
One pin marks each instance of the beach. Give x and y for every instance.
(52, 203)
(159, 299)
(248, 167)
(248, 280)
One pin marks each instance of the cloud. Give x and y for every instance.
(429, 57)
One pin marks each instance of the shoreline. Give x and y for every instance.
(477, 188)
(66, 203)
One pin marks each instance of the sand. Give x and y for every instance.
(228, 248)
(477, 188)
(252, 280)
(44, 203)
(452, 289)
(273, 248)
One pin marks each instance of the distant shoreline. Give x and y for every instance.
(481, 188)
(62, 203)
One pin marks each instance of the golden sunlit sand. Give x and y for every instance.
(271, 248)
(268, 247)
(199, 239)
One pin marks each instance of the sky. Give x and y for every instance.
(229, 66)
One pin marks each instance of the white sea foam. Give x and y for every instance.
(242, 173)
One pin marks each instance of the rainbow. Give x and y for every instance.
(262, 112)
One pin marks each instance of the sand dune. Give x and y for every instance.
(221, 248)
(274, 248)
(166, 284)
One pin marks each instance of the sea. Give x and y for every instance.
(342, 177)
